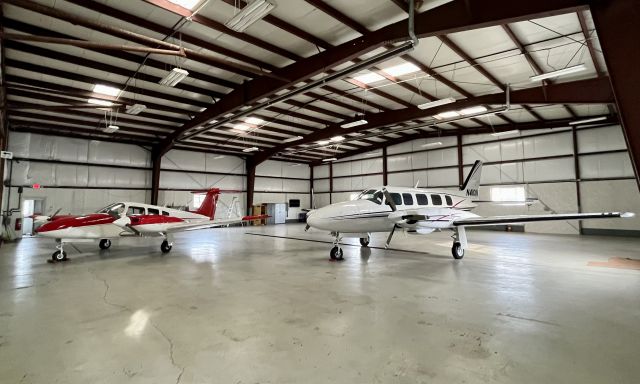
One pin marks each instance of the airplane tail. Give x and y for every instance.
(208, 206)
(471, 185)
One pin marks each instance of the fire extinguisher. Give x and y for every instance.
(18, 226)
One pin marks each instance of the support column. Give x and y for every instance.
(311, 205)
(460, 162)
(330, 182)
(385, 179)
(576, 164)
(156, 160)
(251, 182)
(619, 33)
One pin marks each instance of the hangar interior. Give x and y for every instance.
(308, 105)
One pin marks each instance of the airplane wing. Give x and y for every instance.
(493, 220)
(212, 223)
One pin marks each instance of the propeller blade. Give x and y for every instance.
(386, 245)
(307, 227)
(389, 200)
(54, 214)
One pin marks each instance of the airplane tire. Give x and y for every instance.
(165, 247)
(105, 244)
(364, 241)
(59, 256)
(457, 251)
(336, 254)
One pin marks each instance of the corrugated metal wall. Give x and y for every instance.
(278, 182)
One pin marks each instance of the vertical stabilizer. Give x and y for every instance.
(208, 206)
(471, 186)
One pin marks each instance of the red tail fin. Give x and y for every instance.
(208, 206)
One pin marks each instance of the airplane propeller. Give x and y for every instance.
(389, 200)
(54, 214)
(386, 245)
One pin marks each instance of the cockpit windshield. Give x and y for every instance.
(371, 195)
(117, 208)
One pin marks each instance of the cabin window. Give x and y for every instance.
(408, 198)
(448, 199)
(436, 199)
(132, 211)
(396, 198)
(153, 211)
(165, 213)
(422, 199)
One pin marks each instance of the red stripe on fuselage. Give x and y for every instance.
(153, 219)
(77, 221)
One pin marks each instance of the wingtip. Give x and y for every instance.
(627, 215)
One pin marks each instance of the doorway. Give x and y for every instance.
(30, 207)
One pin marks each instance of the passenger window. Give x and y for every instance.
(408, 198)
(422, 199)
(165, 213)
(436, 199)
(152, 211)
(132, 211)
(448, 199)
(396, 198)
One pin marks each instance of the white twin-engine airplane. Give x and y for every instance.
(421, 211)
(133, 219)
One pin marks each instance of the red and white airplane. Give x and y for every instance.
(133, 219)
(420, 211)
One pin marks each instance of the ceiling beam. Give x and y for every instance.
(548, 124)
(138, 59)
(451, 17)
(619, 33)
(595, 91)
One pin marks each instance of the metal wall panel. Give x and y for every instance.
(377, 152)
(320, 200)
(237, 183)
(225, 164)
(549, 170)
(398, 163)
(102, 152)
(184, 160)
(605, 165)
(182, 180)
(119, 177)
(611, 195)
(601, 139)
(269, 168)
(320, 171)
(320, 186)
(548, 145)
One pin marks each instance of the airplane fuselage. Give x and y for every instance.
(373, 215)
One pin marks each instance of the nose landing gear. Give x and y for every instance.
(60, 254)
(105, 244)
(336, 252)
(364, 241)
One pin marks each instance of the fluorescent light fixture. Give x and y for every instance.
(175, 76)
(589, 120)
(324, 142)
(241, 127)
(329, 159)
(295, 138)
(354, 123)
(219, 157)
(437, 103)
(402, 69)
(212, 121)
(254, 11)
(435, 144)
(189, 4)
(100, 102)
(368, 78)
(106, 90)
(447, 115)
(251, 149)
(337, 138)
(560, 72)
(473, 110)
(505, 133)
(253, 120)
(111, 129)
(135, 109)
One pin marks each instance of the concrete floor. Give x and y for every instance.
(229, 307)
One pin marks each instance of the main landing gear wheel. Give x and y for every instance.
(165, 247)
(364, 241)
(59, 256)
(457, 251)
(105, 244)
(336, 254)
